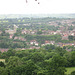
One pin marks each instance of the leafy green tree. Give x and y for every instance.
(68, 59)
(70, 27)
(2, 64)
(42, 72)
(22, 53)
(73, 73)
(37, 57)
(3, 55)
(73, 58)
(25, 69)
(70, 37)
(60, 51)
(56, 66)
(39, 32)
(50, 55)
(49, 47)
(13, 62)
(10, 52)
(3, 71)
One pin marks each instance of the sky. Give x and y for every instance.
(32, 6)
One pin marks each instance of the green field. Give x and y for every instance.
(69, 70)
(3, 60)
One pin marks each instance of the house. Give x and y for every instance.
(55, 33)
(42, 44)
(61, 28)
(11, 36)
(73, 32)
(0, 32)
(65, 36)
(10, 31)
(25, 32)
(33, 47)
(59, 44)
(66, 44)
(47, 42)
(15, 37)
(34, 42)
(3, 50)
(52, 42)
(58, 31)
(32, 32)
(52, 32)
(19, 38)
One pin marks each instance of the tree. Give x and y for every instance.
(50, 55)
(56, 66)
(10, 52)
(70, 27)
(13, 61)
(73, 58)
(70, 57)
(49, 47)
(39, 32)
(2, 64)
(73, 73)
(24, 69)
(70, 37)
(60, 51)
(3, 71)
(37, 57)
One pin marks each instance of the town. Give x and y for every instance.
(33, 33)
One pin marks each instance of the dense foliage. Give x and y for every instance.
(49, 60)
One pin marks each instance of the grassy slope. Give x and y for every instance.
(3, 60)
(69, 70)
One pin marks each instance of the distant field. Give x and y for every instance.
(3, 60)
(69, 70)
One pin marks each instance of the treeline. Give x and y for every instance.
(49, 60)
(44, 37)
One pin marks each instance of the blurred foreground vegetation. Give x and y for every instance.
(49, 60)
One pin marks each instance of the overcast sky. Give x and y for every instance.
(32, 7)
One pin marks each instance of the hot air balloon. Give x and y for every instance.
(38, 2)
(35, 0)
(26, 1)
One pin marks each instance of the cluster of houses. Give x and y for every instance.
(19, 38)
(32, 32)
(10, 31)
(62, 22)
(64, 34)
(35, 45)
(63, 31)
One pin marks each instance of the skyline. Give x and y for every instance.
(32, 7)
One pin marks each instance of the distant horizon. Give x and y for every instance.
(32, 7)
(39, 14)
(5, 16)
